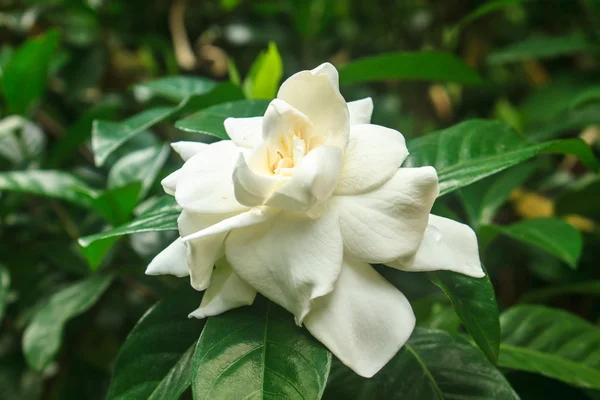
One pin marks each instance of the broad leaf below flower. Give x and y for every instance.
(258, 352)
(431, 365)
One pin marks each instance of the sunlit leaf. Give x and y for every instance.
(553, 343)
(258, 352)
(422, 66)
(265, 74)
(43, 336)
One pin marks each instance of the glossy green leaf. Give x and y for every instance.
(155, 361)
(109, 136)
(474, 302)
(29, 64)
(435, 312)
(4, 290)
(432, 365)
(421, 66)
(551, 342)
(55, 184)
(43, 336)
(140, 166)
(482, 199)
(552, 235)
(176, 88)
(20, 139)
(542, 47)
(210, 120)
(162, 216)
(472, 150)
(265, 75)
(258, 352)
(541, 295)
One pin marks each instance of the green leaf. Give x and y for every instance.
(588, 95)
(20, 139)
(421, 66)
(265, 75)
(4, 290)
(489, 7)
(482, 199)
(162, 216)
(176, 88)
(258, 352)
(140, 166)
(55, 184)
(542, 47)
(109, 136)
(474, 302)
(210, 121)
(43, 336)
(155, 361)
(551, 342)
(431, 365)
(24, 78)
(435, 312)
(552, 235)
(472, 150)
(541, 295)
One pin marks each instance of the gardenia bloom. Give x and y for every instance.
(297, 205)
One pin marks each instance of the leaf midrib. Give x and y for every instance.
(425, 370)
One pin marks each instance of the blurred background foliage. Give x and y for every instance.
(66, 63)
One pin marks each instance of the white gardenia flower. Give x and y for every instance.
(297, 205)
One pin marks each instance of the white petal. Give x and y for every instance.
(169, 184)
(313, 94)
(245, 132)
(291, 259)
(205, 185)
(447, 245)
(328, 70)
(243, 220)
(202, 253)
(364, 321)
(373, 156)
(188, 149)
(312, 182)
(388, 223)
(281, 122)
(360, 111)
(226, 291)
(171, 261)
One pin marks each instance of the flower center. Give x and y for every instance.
(287, 155)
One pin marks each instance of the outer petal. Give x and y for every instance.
(172, 260)
(364, 321)
(169, 184)
(447, 245)
(313, 94)
(226, 291)
(373, 156)
(360, 111)
(205, 185)
(203, 253)
(313, 181)
(388, 223)
(188, 149)
(244, 132)
(292, 259)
